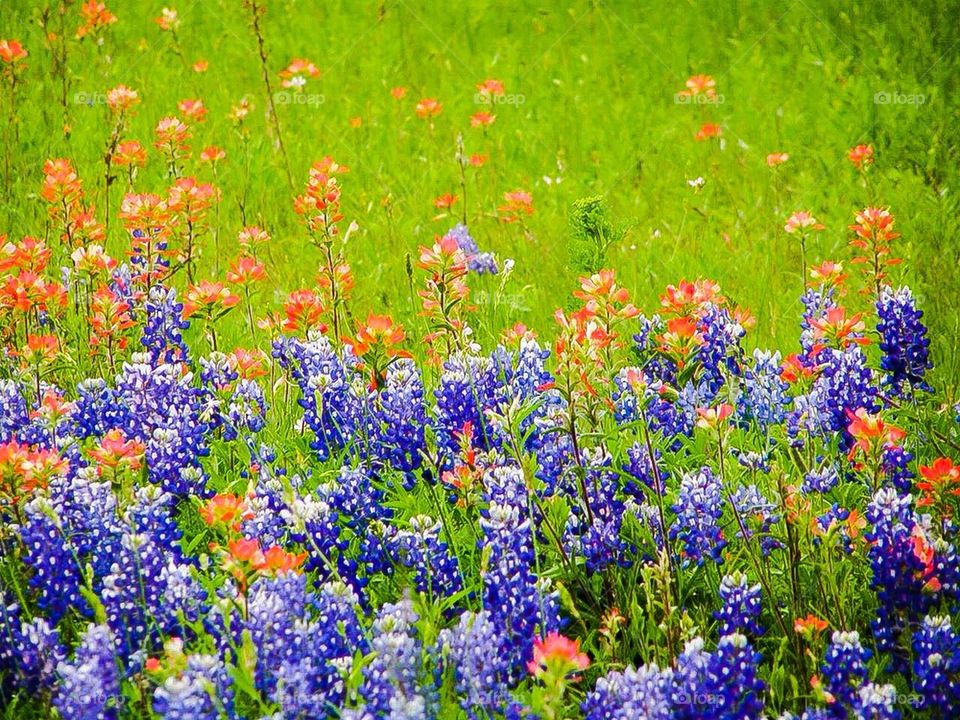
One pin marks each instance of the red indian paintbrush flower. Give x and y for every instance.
(303, 312)
(116, 451)
(700, 85)
(861, 156)
(211, 299)
(193, 108)
(940, 482)
(121, 99)
(707, 131)
(558, 654)
(11, 52)
(225, 509)
(686, 298)
(871, 433)
(517, 205)
(801, 221)
(775, 159)
(428, 108)
(482, 119)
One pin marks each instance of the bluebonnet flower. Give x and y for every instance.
(30, 651)
(13, 410)
(131, 592)
(643, 692)
(435, 569)
(758, 516)
(216, 371)
(474, 650)
(593, 531)
(822, 479)
(314, 523)
(162, 335)
(877, 702)
(394, 683)
(505, 485)
(844, 667)
(901, 558)
(298, 657)
(936, 665)
(763, 395)
(896, 467)
(733, 681)
(719, 352)
(149, 590)
(553, 446)
(309, 681)
(201, 692)
(644, 341)
(77, 524)
(699, 508)
(99, 408)
(519, 603)
(816, 302)
(627, 402)
(719, 685)
(173, 453)
(525, 383)
(641, 468)
(692, 395)
(56, 575)
(267, 507)
(753, 460)
(477, 262)
(529, 373)
(167, 414)
(845, 384)
(246, 410)
(903, 341)
(325, 397)
(90, 683)
(741, 606)
(400, 417)
(467, 390)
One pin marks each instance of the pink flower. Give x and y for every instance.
(556, 652)
(774, 159)
(801, 220)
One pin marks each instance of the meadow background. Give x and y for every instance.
(590, 108)
(591, 111)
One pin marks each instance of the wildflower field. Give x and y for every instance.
(479, 360)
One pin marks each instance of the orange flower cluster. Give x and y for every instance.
(940, 486)
(445, 297)
(296, 74)
(377, 342)
(24, 291)
(244, 559)
(319, 205)
(63, 192)
(117, 452)
(518, 204)
(24, 470)
(208, 299)
(873, 237)
(96, 17)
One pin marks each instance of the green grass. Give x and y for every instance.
(597, 81)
